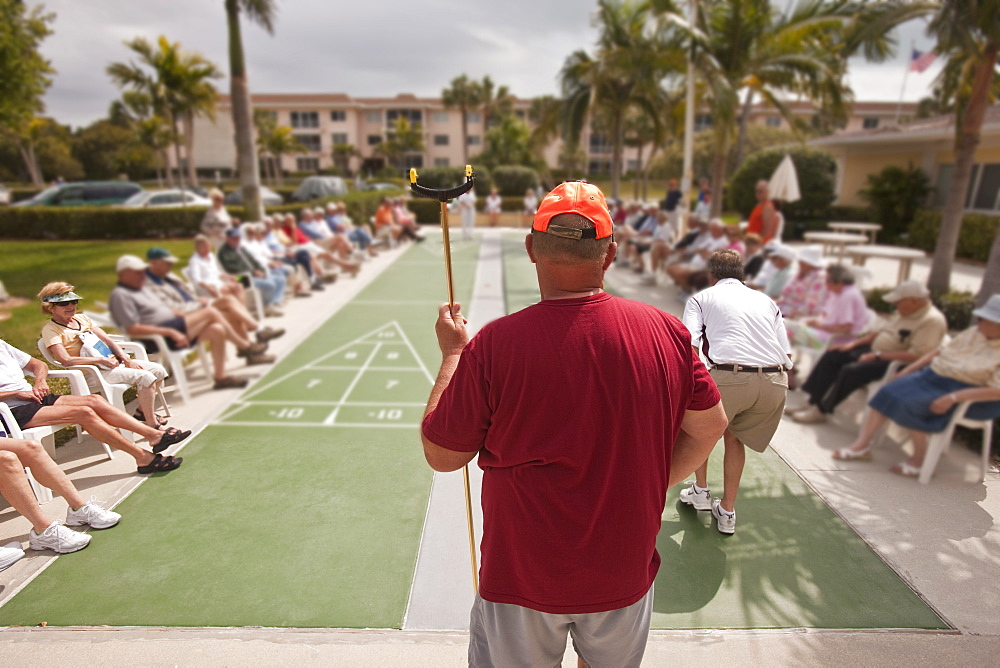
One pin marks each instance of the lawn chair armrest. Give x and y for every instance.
(77, 383)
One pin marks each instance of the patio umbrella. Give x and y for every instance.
(784, 183)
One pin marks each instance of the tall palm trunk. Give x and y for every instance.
(741, 140)
(27, 151)
(165, 159)
(719, 168)
(635, 177)
(278, 172)
(645, 171)
(177, 152)
(618, 138)
(965, 153)
(246, 155)
(192, 170)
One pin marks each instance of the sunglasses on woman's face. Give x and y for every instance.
(72, 302)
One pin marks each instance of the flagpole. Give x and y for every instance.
(902, 89)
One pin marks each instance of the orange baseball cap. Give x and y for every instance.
(578, 197)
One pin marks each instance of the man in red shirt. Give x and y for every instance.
(583, 409)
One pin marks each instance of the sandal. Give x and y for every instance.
(160, 464)
(141, 417)
(170, 437)
(906, 470)
(846, 454)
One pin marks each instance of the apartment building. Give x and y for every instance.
(321, 121)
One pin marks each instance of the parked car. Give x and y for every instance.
(381, 186)
(4, 194)
(84, 193)
(165, 198)
(318, 187)
(270, 197)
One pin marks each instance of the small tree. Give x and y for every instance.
(894, 195)
(404, 138)
(341, 155)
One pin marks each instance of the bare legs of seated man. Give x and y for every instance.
(209, 324)
(102, 421)
(15, 455)
(242, 322)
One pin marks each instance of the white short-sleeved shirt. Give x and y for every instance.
(204, 270)
(741, 326)
(12, 363)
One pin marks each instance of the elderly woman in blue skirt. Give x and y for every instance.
(922, 398)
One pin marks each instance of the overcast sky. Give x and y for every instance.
(369, 48)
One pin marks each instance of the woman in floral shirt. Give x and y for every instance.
(805, 294)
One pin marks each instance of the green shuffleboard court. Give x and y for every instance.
(303, 504)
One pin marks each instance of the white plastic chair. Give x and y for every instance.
(113, 392)
(172, 360)
(78, 386)
(256, 301)
(938, 443)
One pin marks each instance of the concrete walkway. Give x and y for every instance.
(942, 538)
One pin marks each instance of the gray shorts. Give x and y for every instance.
(501, 634)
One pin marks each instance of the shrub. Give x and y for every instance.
(816, 171)
(513, 180)
(956, 306)
(974, 239)
(894, 195)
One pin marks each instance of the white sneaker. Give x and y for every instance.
(93, 515)
(700, 500)
(9, 554)
(726, 520)
(58, 539)
(810, 415)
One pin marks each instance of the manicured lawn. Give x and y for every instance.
(25, 266)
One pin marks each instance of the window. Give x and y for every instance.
(311, 142)
(414, 116)
(441, 162)
(338, 115)
(473, 117)
(414, 160)
(599, 166)
(632, 166)
(983, 191)
(474, 140)
(599, 143)
(440, 140)
(373, 117)
(520, 113)
(307, 164)
(374, 140)
(702, 122)
(773, 121)
(869, 123)
(987, 188)
(440, 117)
(338, 138)
(305, 119)
(163, 199)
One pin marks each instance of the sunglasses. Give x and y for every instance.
(72, 302)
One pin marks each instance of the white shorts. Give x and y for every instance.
(501, 634)
(143, 377)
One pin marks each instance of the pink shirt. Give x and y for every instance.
(847, 307)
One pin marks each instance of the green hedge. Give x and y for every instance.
(974, 240)
(514, 180)
(118, 223)
(429, 211)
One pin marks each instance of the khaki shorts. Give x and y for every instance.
(501, 634)
(753, 402)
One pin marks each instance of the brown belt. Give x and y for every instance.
(742, 368)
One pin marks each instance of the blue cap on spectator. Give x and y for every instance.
(160, 253)
(233, 232)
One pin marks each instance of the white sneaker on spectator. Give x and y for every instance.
(58, 538)
(93, 515)
(809, 415)
(726, 520)
(701, 500)
(9, 554)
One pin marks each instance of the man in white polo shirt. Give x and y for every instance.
(741, 333)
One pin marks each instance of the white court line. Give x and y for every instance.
(393, 302)
(354, 381)
(372, 368)
(312, 425)
(292, 403)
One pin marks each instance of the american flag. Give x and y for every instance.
(921, 61)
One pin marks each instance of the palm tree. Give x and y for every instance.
(175, 83)
(136, 110)
(495, 104)
(465, 95)
(261, 12)
(624, 73)
(403, 138)
(546, 116)
(280, 142)
(341, 155)
(968, 35)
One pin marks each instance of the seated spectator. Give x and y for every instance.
(915, 329)
(253, 243)
(281, 249)
(300, 241)
(181, 297)
(843, 318)
(753, 256)
(782, 261)
(529, 205)
(388, 224)
(34, 406)
(703, 209)
(804, 294)
(236, 261)
(340, 223)
(216, 220)
(72, 339)
(735, 237)
(207, 276)
(16, 454)
(634, 245)
(140, 312)
(313, 225)
(923, 396)
(492, 207)
(681, 272)
(660, 250)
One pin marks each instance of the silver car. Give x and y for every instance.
(165, 198)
